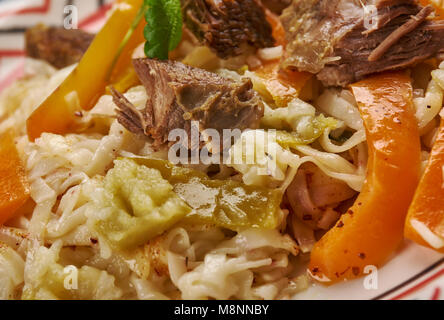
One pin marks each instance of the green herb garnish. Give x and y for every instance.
(163, 31)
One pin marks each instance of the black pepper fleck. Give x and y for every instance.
(355, 271)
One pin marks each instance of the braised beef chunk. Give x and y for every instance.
(56, 45)
(342, 44)
(227, 26)
(179, 94)
(276, 6)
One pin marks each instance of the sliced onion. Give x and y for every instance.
(357, 138)
(271, 53)
(337, 106)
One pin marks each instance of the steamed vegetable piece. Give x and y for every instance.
(373, 227)
(139, 205)
(97, 69)
(14, 187)
(425, 220)
(229, 204)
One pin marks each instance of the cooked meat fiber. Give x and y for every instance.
(330, 38)
(56, 45)
(276, 6)
(228, 26)
(179, 94)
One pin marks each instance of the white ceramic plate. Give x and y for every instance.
(412, 273)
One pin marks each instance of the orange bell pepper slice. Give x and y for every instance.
(373, 227)
(88, 81)
(14, 187)
(425, 220)
(283, 85)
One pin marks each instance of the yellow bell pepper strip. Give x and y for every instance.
(124, 75)
(88, 81)
(124, 81)
(14, 187)
(122, 65)
(425, 219)
(373, 227)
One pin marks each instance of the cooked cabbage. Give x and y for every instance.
(298, 117)
(138, 204)
(224, 203)
(11, 272)
(46, 279)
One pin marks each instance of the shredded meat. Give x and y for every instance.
(56, 45)
(332, 39)
(405, 29)
(228, 26)
(314, 197)
(276, 6)
(179, 94)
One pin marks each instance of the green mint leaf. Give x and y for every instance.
(163, 31)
